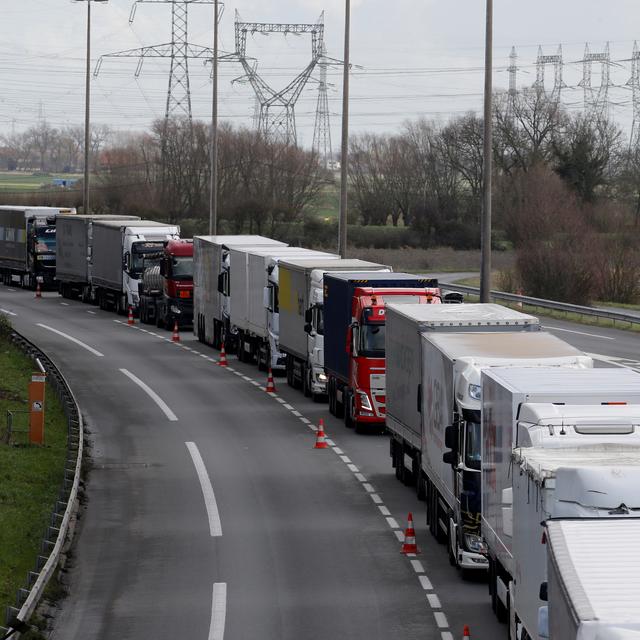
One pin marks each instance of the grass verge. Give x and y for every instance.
(30, 476)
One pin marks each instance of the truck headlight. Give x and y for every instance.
(175, 309)
(475, 391)
(322, 377)
(475, 543)
(365, 403)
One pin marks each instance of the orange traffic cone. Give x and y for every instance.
(465, 632)
(176, 333)
(130, 319)
(271, 386)
(409, 545)
(38, 291)
(223, 358)
(321, 442)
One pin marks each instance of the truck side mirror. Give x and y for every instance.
(450, 457)
(419, 399)
(307, 327)
(221, 283)
(451, 443)
(544, 592)
(163, 267)
(308, 316)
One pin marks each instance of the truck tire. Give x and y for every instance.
(332, 396)
(307, 372)
(349, 422)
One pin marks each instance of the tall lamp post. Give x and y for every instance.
(485, 232)
(344, 155)
(213, 190)
(87, 103)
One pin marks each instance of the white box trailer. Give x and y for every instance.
(507, 394)
(301, 302)
(451, 454)
(597, 476)
(594, 580)
(250, 300)
(211, 268)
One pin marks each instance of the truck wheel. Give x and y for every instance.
(332, 396)
(348, 412)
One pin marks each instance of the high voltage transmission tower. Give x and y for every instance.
(322, 127)
(634, 83)
(277, 108)
(542, 62)
(596, 101)
(512, 70)
(179, 51)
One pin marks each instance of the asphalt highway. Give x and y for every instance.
(210, 515)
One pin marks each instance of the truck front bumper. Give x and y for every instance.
(181, 311)
(318, 382)
(474, 561)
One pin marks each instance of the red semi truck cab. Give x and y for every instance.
(354, 329)
(176, 269)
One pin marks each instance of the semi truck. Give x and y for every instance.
(254, 303)
(211, 296)
(302, 318)
(28, 245)
(166, 289)
(354, 345)
(74, 248)
(593, 580)
(121, 252)
(526, 407)
(593, 473)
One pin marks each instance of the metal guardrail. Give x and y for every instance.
(53, 543)
(552, 305)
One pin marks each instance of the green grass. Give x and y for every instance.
(27, 181)
(30, 476)
(327, 203)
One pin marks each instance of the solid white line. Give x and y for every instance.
(72, 339)
(582, 333)
(441, 619)
(434, 601)
(383, 510)
(376, 498)
(215, 526)
(9, 313)
(426, 583)
(392, 522)
(152, 394)
(218, 611)
(417, 566)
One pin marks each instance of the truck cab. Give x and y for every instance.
(176, 269)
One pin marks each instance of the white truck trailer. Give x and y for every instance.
(405, 325)
(252, 301)
(74, 249)
(595, 473)
(593, 585)
(301, 302)
(211, 299)
(510, 421)
(118, 259)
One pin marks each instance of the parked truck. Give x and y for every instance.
(166, 289)
(28, 245)
(254, 301)
(302, 318)
(121, 252)
(593, 473)
(354, 345)
(546, 408)
(211, 296)
(74, 248)
(593, 581)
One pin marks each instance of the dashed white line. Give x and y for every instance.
(247, 378)
(441, 619)
(305, 420)
(287, 406)
(279, 399)
(218, 611)
(164, 407)
(384, 510)
(399, 535)
(215, 525)
(376, 498)
(368, 488)
(9, 313)
(425, 583)
(64, 304)
(330, 442)
(446, 635)
(345, 459)
(84, 345)
(417, 566)
(360, 477)
(353, 468)
(338, 450)
(12, 290)
(434, 601)
(254, 383)
(392, 522)
(297, 414)
(93, 313)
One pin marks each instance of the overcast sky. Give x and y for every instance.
(413, 57)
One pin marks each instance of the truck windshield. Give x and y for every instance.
(182, 267)
(473, 446)
(140, 258)
(45, 240)
(372, 340)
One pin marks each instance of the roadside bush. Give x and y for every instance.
(618, 269)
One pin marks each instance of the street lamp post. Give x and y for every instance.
(213, 190)
(344, 155)
(485, 232)
(87, 103)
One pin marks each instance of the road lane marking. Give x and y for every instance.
(392, 522)
(360, 477)
(446, 635)
(399, 535)
(426, 583)
(434, 601)
(345, 459)
(93, 313)
(152, 394)
(417, 566)
(376, 498)
(353, 468)
(582, 333)
(287, 406)
(9, 313)
(215, 526)
(218, 611)
(12, 290)
(441, 619)
(384, 510)
(368, 488)
(64, 304)
(72, 339)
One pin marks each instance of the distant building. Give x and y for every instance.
(63, 182)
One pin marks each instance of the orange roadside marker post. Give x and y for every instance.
(36, 407)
